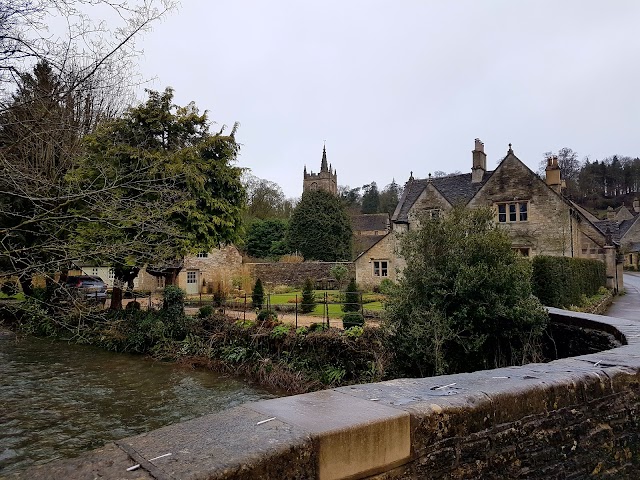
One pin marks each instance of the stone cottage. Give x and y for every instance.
(537, 217)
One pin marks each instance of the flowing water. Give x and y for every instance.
(58, 399)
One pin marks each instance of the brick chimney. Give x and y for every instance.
(479, 162)
(553, 174)
(611, 213)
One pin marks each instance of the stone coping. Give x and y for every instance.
(360, 431)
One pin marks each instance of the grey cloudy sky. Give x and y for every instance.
(400, 86)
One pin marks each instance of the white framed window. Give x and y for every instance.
(202, 255)
(191, 277)
(380, 268)
(94, 271)
(509, 212)
(434, 213)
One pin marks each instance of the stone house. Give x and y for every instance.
(623, 224)
(200, 273)
(537, 217)
(368, 229)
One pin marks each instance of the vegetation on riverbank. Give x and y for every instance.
(274, 354)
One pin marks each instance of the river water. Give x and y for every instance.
(58, 399)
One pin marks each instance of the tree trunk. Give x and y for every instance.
(27, 288)
(116, 299)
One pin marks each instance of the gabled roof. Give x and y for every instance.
(456, 189)
(370, 222)
(372, 240)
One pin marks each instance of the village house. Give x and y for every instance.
(533, 211)
(200, 273)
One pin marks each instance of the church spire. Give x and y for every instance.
(323, 166)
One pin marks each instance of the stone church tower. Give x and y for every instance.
(326, 180)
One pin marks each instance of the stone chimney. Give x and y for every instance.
(479, 162)
(553, 174)
(636, 205)
(611, 213)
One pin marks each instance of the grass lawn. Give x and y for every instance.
(371, 301)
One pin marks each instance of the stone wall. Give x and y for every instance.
(384, 250)
(571, 418)
(294, 274)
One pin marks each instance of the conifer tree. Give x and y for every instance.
(308, 297)
(257, 296)
(351, 298)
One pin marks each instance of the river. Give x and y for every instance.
(59, 399)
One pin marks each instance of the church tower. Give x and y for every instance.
(326, 180)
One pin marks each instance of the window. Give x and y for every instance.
(202, 255)
(111, 275)
(434, 213)
(94, 271)
(513, 212)
(191, 277)
(380, 268)
(523, 251)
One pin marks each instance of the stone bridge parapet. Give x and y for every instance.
(570, 418)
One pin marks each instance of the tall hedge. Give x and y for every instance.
(561, 281)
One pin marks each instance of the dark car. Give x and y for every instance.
(90, 287)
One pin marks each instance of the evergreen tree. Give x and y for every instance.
(389, 198)
(370, 198)
(319, 228)
(257, 296)
(308, 297)
(261, 236)
(351, 297)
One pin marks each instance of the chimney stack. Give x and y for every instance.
(611, 214)
(479, 162)
(636, 205)
(553, 174)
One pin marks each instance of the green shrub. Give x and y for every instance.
(257, 296)
(267, 318)
(280, 331)
(352, 319)
(386, 286)
(563, 281)
(351, 298)
(135, 305)
(355, 331)
(173, 298)
(205, 311)
(308, 297)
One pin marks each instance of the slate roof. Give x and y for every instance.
(612, 226)
(457, 189)
(362, 243)
(370, 222)
(617, 229)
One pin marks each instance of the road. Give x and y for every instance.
(627, 306)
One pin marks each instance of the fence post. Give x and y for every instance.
(296, 311)
(200, 301)
(245, 307)
(326, 306)
(149, 301)
(361, 306)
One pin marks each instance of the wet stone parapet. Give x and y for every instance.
(570, 418)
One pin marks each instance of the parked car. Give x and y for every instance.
(90, 287)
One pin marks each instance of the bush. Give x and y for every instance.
(173, 299)
(267, 318)
(352, 319)
(135, 305)
(464, 301)
(308, 297)
(352, 298)
(563, 281)
(386, 286)
(257, 296)
(205, 311)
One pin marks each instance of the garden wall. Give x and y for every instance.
(294, 274)
(570, 418)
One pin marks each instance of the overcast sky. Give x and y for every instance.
(400, 86)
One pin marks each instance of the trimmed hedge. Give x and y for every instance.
(562, 281)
